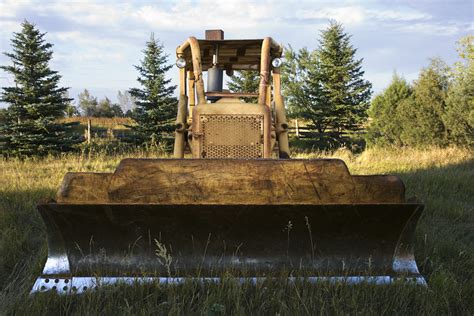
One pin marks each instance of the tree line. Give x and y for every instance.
(30, 125)
(436, 109)
(325, 88)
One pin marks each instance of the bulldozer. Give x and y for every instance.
(231, 201)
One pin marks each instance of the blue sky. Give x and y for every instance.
(96, 43)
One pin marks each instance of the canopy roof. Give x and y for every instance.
(232, 54)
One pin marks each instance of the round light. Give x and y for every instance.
(277, 62)
(181, 62)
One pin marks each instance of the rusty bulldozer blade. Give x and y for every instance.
(168, 220)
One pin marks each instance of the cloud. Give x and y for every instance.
(347, 15)
(229, 14)
(9, 8)
(400, 14)
(97, 42)
(86, 13)
(358, 14)
(445, 29)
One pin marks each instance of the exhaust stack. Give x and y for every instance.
(215, 75)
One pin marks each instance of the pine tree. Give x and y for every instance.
(36, 101)
(335, 86)
(325, 87)
(156, 107)
(385, 128)
(245, 81)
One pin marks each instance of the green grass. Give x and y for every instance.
(442, 178)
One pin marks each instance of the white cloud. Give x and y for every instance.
(397, 15)
(347, 15)
(432, 28)
(184, 16)
(357, 14)
(86, 13)
(9, 8)
(96, 41)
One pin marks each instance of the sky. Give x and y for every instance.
(96, 43)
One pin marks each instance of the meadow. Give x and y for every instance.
(442, 178)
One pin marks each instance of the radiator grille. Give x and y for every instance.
(232, 136)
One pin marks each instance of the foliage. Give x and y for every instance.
(326, 86)
(459, 114)
(336, 83)
(156, 106)
(103, 108)
(87, 103)
(293, 76)
(421, 116)
(245, 81)
(36, 101)
(438, 109)
(385, 127)
(106, 108)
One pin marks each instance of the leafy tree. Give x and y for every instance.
(103, 108)
(106, 108)
(245, 81)
(421, 118)
(126, 102)
(294, 75)
(36, 101)
(385, 127)
(156, 107)
(459, 115)
(87, 103)
(71, 109)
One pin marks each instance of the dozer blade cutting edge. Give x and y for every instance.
(169, 220)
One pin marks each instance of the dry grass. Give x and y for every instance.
(442, 178)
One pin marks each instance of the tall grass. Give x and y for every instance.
(442, 178)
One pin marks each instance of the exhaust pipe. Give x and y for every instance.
(215, 75)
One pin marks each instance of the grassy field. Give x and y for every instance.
(442, 178)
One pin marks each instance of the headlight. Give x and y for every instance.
(181, 62)
(277, 62)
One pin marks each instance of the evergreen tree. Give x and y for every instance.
(156, 107)
(336, 86)
(384, 128)
(459, 115)
(245, 81)
(36, 101)
(326, 88)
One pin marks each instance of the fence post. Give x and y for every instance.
(297, 129)
(88, 132)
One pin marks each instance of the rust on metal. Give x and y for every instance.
(214, 35)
